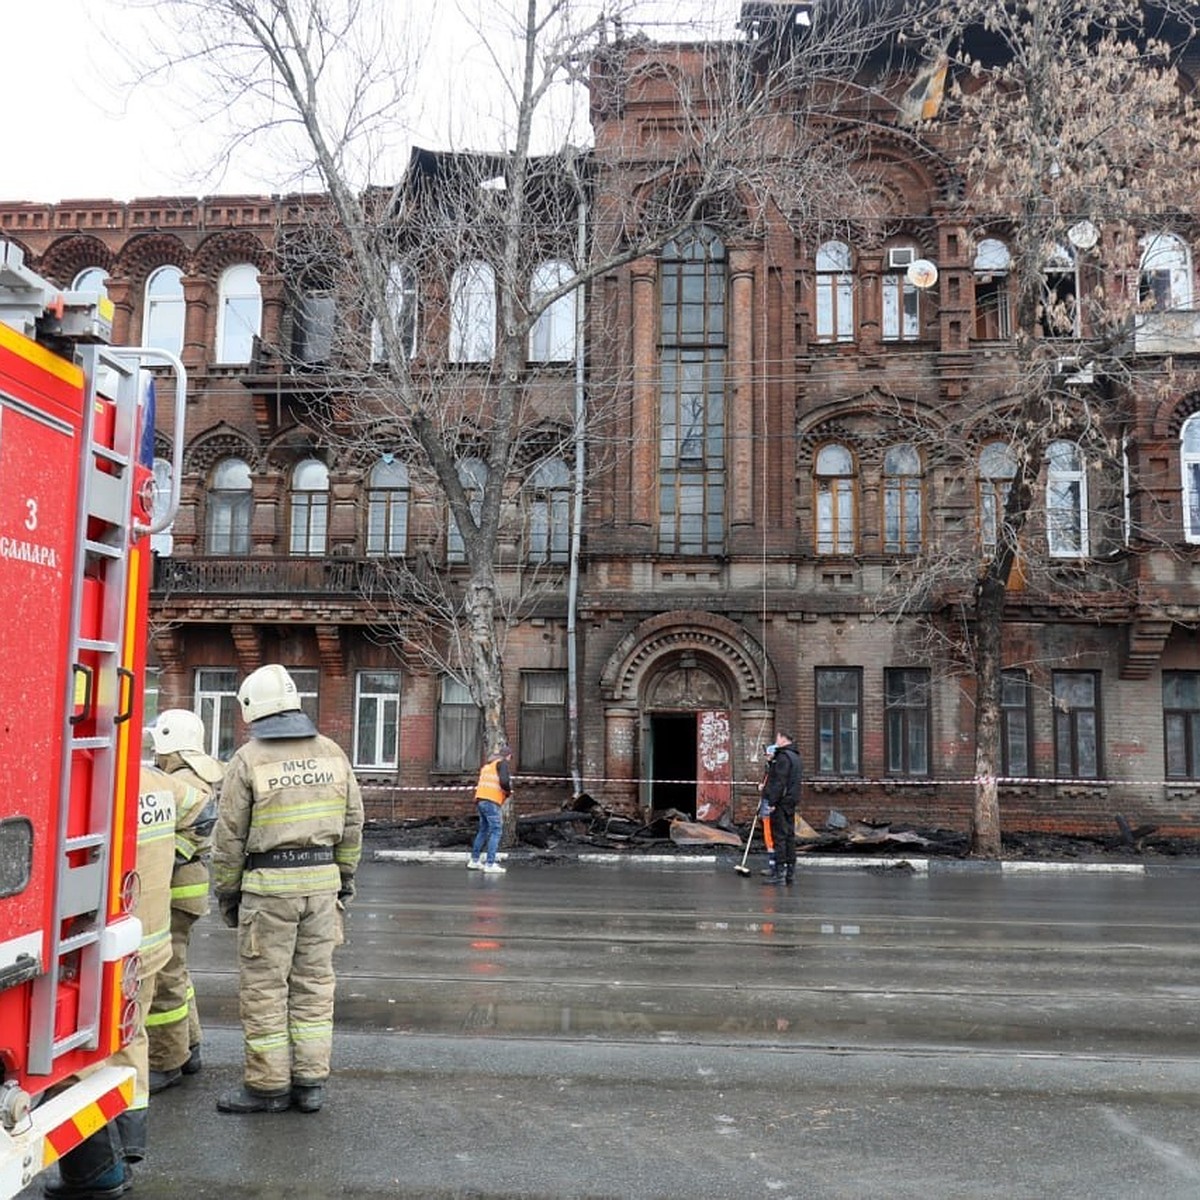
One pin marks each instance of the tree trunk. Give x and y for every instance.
(487, 677)
(985, 816)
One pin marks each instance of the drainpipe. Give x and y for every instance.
(574, 741)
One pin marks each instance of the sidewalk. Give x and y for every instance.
(815, 862)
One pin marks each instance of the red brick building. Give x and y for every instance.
(795, 420)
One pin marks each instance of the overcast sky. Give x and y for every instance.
(76, 130)
(69, 132)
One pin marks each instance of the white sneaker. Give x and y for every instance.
(493, 869)
(473, 864)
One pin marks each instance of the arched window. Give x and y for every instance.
(902, 516)
(835, 475)
(402, 304)
(691, 436)
(1165, 273)
(473, 313)
(1060, 295)
(387, 508)
(162, 324)
(228, 505)
(310, 507)
(1189, 455)
(552, 338)
(835, 293)
(993, 305)
(549, 500)
(901, 299)
(473, 474)
(1066, 501)
(996, 470)
(240, 313)
(91, 279)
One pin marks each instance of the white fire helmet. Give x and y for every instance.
(267, 691)
(177, 729)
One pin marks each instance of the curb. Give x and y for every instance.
(829, 862)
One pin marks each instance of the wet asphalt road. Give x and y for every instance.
(639, 1031)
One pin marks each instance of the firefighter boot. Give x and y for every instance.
(161, 1080)
(776, 877)
(94, 1170)
(99, 1189)
(245, 1100)
(307, 1097)
(769, 869)
(194, 1061)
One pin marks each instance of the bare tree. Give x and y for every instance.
(1073, 134)
(478, 418)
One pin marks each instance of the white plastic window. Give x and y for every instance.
(1165, 273)
(402, 307)
(552, 338)
(835, 293)
(229, 506)
(162, 326)
(1066, 501)
(473, 313)
(377, 720)
(993, 306)
(310, 507)
(240, 319)
(1189, 453)
(901, 306)
(387, 508)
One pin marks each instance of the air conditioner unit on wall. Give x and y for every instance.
(1073, 370)
(899, 257)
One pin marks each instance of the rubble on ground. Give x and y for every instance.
(584, 826)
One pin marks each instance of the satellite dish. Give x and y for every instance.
(1083, 235)
(921, 273)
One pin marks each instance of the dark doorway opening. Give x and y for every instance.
(673, 759)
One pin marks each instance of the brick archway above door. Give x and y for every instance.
(642, 650)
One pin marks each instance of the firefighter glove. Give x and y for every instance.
(228, 903)
(346, 891)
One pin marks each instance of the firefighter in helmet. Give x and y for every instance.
(169, 811)
(173, 1024)
(285, 850)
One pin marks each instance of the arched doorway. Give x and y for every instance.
(687, 752)
(687, 696)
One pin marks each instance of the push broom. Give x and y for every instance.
(741, 867)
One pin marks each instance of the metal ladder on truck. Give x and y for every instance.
(100, 690)
(100, 699)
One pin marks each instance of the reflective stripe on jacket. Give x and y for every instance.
(289, 793)
(189, 882)
(165, 805)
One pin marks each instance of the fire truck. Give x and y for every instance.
(77, 510)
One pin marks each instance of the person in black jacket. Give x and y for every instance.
(782, 794)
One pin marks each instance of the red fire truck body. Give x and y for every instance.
(76, 509)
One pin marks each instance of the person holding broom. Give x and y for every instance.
(781, 794)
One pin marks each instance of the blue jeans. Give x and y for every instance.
(491, 823)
